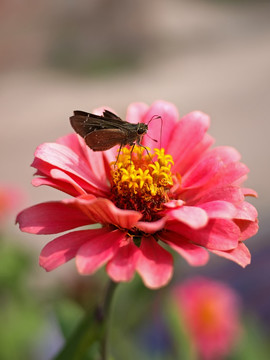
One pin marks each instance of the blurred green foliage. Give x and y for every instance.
(144, 324)
(21, 316)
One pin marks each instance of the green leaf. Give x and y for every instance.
(69, 314)
(84, 344)
(89, 339)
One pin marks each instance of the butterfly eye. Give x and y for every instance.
(142, 129)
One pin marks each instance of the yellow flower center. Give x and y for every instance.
(141, 181)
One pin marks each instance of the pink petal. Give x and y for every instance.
(123, 265)
(95, 161)
(104, 211)
(61, 157)
(187, 134)
(151, 227)
(204, 171)
(136, 112)
(71, 141)
(155, 265)
(109, 157)
(59, 185)
(97, 251)
(62, 177)
(193, 155)
(247, 228)
(65, 247)
(193, 254)
(219, 234)
(51, 218)
(231, 174)
(51, 155)
(246, 211)
(229, 193)
(192, 216)
(174, 204)
(219, 209)
(249, 192)
(226, 176)
(240, 255)
(169, 114)
(213, 162)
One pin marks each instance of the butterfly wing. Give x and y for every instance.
(109, 115)
(84, 123)
(101, 140)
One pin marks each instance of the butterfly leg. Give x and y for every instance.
(131, 152)
(119, 150)
(145, 148)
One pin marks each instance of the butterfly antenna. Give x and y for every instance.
(155, 117)
(151, 138)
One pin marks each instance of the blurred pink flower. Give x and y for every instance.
(10, 198)
(209, 311)
(190, 200)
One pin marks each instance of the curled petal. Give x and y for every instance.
(151, 227)
(247, 228)
(246, 211)
(65, 247)
(97, 251)
(59, 156)
(249, 192)
(240, 255)
(105, 212)
(52, 155)
(155, 265)
(68, 188)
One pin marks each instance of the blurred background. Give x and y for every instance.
(57, 56)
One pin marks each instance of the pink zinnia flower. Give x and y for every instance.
(187, 197)
(209, 311)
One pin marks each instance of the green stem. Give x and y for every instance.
(106, 317)
(92, 330)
